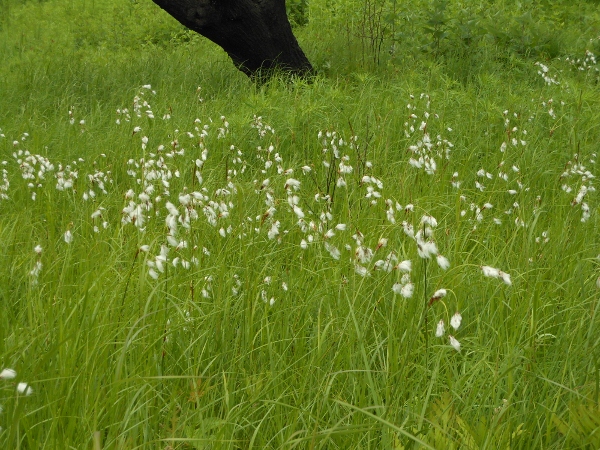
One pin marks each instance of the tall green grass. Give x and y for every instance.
(199, 358)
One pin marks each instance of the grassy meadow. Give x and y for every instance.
(403, 253)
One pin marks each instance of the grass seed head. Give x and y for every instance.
(24, 389)
(8, 374)
(437, 295)
(454, 343)
(443, 262)
(456, 320)
(440, 329)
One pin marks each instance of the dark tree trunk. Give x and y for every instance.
(256, 34)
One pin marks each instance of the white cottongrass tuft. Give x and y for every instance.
(429, 220)
(292, 183)
(37, 268)
(382, 243)
(408, 229)
(426, 249)
(7, 374)
(274, 231)
(38, 249)
(456, 320)
(361, 270)
(388, 264)
(440, 329)
(490, 272)
(443, 262)
(68, 236)
(405, 266)
(407, 290)
(333, 251)
(24, 389)
(496, 273)
(454, 343)
(506, 278)
(437, 295)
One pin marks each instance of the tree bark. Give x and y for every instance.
(256, 34)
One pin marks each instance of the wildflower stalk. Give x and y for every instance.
(426, 303)
(331, 185)
(13, 429)
(129, 278)
(166, 319)
(127, 286)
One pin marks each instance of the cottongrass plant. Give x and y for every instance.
(257, 267)
(187, 221)
(21, 388)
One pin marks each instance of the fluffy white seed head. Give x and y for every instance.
(24, 389)
(437, 295)
(426, 249)
(440, 293)
(408, 229)
(443, 262)
(7, 374)
(440, 329)
(454, 343)
(407, 290)
(456, 320)
(429, 220)
(292, 183)
(490, 272)
(361, 270)
(505, 277)
(333, 251)
(405, 266)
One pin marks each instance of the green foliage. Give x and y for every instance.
(397, 31)
(297, 11)
(198, 358)
(582, 428)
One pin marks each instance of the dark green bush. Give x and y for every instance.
(297, 11)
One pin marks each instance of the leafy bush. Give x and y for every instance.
(297, 11)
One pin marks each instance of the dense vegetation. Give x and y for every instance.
(403, 253)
